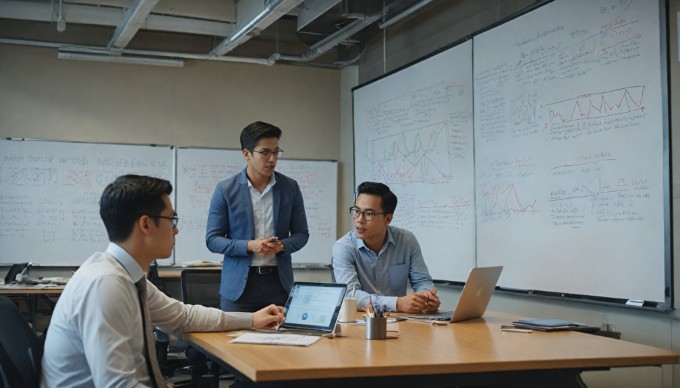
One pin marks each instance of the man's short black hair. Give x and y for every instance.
(388, 198)
(256, 131)
(128, 198)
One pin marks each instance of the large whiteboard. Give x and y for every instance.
(413, 132)
(200, 169)
(49, 196)
(569, 189)
(569, 135)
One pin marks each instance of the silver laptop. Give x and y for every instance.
(313, 308)
(473, 300)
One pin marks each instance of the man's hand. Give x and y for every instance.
(432, 300)
(269, 317)
(265, 246)
(412, 303)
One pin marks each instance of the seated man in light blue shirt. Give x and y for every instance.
(378, 260)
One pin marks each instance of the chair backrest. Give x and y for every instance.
(13, 271)
(201, 286)
(155, 279)
(21, 353)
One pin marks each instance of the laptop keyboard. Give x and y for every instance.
(441, 316)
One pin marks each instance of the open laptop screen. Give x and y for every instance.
(314, 306)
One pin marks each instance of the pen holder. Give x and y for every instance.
(376, 328)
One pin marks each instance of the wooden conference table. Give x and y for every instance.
(466, 353)
(30, 294)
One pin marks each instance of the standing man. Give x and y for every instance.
(100, 332)
(256, 220)
(378, 260)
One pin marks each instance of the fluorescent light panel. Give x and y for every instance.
(122, 59)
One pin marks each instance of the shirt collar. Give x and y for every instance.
(360, 243)
(128, 262)
(272, 182)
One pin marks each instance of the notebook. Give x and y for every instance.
(553, 325)
(473, 300)
(313, 308)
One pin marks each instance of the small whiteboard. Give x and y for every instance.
(200, 169)
(49, 196)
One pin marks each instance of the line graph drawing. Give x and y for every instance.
(505, 200)
(596, 189)
(422, 155)
(596, 105)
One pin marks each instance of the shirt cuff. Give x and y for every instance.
(243, 320)
(391, 303)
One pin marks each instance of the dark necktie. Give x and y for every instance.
(150, 345)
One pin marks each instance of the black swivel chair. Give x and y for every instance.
(20, 350)
(166, 365)
(201, 286)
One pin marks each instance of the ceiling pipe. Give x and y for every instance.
(103, 51)
(271, 12)
(68, 48)
(409, 12)
(330, 41)
(110, 17)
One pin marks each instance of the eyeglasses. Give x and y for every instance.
(174, 220)
(266, 153)
(368, 214)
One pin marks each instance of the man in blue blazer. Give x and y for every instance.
(257, 220)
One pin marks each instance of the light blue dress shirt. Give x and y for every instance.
(384, 276)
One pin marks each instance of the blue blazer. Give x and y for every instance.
(230, 226)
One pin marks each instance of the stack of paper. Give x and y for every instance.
(276, 339)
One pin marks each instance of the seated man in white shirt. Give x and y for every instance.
(97, 334)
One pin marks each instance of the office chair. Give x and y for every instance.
(201, 286)
(330, 266)
(20, 351)
(167, 366)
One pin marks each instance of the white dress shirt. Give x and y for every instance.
(263, 219)
(96, 338)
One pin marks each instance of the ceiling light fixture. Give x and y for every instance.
(121, 59)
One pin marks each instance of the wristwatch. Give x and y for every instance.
(283, 248)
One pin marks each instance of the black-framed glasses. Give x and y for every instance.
(265, 154)
(173, 219)
(368, 214)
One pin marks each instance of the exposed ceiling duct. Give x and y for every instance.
(272, 11)
(325, 33)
